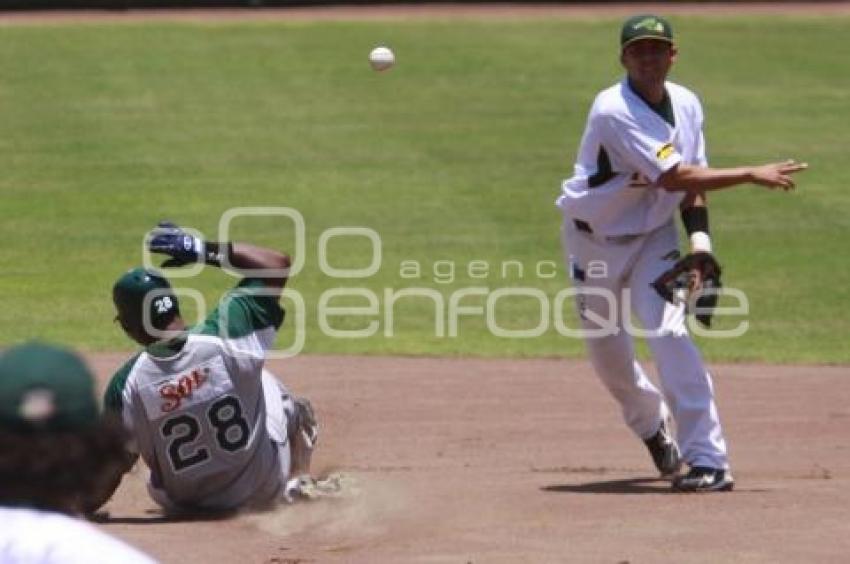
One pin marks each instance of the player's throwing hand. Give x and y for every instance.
(777, 175)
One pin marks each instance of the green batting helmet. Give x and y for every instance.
(144, 297)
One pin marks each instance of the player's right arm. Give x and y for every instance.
(268, 266)
(108, 484)
(693, 178)
(115, 405)
(248, 257)
(647, 148)
(249, 316)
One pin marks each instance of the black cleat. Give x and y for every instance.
(704, 479)
(665, 452)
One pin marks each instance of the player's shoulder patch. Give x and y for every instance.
(665, 151)
(112, 397)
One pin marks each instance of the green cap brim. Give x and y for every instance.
(655, 37)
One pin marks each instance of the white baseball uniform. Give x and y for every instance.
(32, 536)
(205, 416)
(619, 235)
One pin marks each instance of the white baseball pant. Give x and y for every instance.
(611, 274)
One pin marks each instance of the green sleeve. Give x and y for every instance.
(244, 311)
(115, 389)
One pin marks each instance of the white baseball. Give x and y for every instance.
(381, 58)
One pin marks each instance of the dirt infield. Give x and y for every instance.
(528, 461)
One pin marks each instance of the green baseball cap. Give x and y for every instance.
(645, 26)
(45, 388)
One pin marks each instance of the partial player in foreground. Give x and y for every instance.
(57, 455)
(217, 431)
(641, 158)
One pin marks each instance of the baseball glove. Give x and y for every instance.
(695, 278)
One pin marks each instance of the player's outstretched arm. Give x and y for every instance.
(107, 483)
(250, 257)
(184, 248)
(698, 178)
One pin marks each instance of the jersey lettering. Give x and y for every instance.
(163, 305)
(186, 429)
(174, 393)
(229, 427)
(200, 385)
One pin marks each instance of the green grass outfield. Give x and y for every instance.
(455, 155)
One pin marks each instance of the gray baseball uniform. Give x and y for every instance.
(206, 418)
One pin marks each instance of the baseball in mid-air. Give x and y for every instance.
(381, 58)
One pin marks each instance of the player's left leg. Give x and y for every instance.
(278, 404)
(686, 383)
(292, 426)
(610, 349)
(277, 400)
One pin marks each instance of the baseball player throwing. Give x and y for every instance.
(643, 156)
(217, 431)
